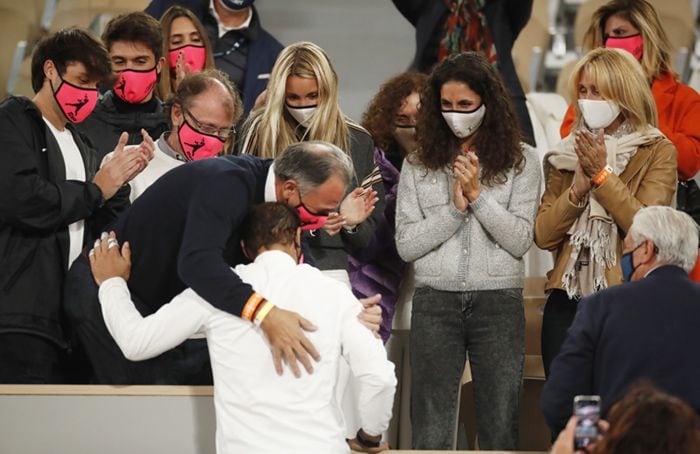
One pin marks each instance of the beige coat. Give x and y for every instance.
(650, 178)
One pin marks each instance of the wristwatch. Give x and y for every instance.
(365, 442)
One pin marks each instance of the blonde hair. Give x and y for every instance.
(166, 87)
(656, 56)
(271, 129)
(619, 78)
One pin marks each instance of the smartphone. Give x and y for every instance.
(587, 411)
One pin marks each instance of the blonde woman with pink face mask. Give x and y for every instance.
(185, 47)
(634, 27)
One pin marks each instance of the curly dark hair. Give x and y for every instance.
(497, 140)
(379, 116)
(649, 421)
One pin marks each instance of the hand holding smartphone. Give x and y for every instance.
(587, 412)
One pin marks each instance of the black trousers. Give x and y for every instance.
(30, 359)
(559, 312)
(186, 364)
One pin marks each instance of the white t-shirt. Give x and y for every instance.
(75, 170)
(156, 168)
(258, 411)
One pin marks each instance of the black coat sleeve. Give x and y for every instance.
(28, 200)
(411, 9)
(217, 208)
(572, 370)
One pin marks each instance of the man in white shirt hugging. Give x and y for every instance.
(258, 411)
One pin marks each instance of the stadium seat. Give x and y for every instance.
(92, 13)
(530, 46)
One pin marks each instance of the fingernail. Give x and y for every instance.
(96, 244)
(104, 235)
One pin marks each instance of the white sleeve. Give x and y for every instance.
(372, 370)
(141, 337)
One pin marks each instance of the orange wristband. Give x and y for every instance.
(602, 176)
(251, 305)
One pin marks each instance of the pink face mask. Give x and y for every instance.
(75, 102)
(310, 220)
(134, 86)
(194, 57)
(633, 44)
(197, 145)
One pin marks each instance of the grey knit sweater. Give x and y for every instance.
(480, 249)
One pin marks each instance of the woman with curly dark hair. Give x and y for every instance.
(465, 211)
(391, 120)
(391, 115)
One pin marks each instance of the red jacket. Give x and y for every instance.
(679, 119)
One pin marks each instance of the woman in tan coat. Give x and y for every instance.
(614, 162)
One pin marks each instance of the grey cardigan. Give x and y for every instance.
(480, 249)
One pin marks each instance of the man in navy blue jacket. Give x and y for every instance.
(184, 230)
(646, 328)
(243, 49)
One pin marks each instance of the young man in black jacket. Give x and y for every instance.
(135, 45)
(51, 197)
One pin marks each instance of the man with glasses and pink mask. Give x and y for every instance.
(53, 199)
(135, 48)
(202, 113)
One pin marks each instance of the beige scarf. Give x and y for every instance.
(594, 235)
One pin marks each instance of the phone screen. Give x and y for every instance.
(587, 411)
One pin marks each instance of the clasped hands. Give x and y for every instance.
(355, 209)
(123, 164)
(467, 187)
(592, 158)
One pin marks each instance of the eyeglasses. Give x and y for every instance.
(222, 133)
(313, 212)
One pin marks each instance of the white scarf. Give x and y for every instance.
(594, 234)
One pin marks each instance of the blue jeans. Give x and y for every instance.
(489, 326)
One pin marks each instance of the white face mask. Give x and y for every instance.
(302, 114)
(463, 124)
(598, 113)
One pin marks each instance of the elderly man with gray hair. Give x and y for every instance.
(185, 233)
(644, 328)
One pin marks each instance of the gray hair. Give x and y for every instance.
(312, 163)
(673, 232)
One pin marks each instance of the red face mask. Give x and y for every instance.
(194, 57)
(309, 219)
(197, 145)
(633, 44)
(75, 102)
(133, 86)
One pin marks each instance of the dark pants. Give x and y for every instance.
(559, 312)
(186, 364)
(489, 326)
(29, 359)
